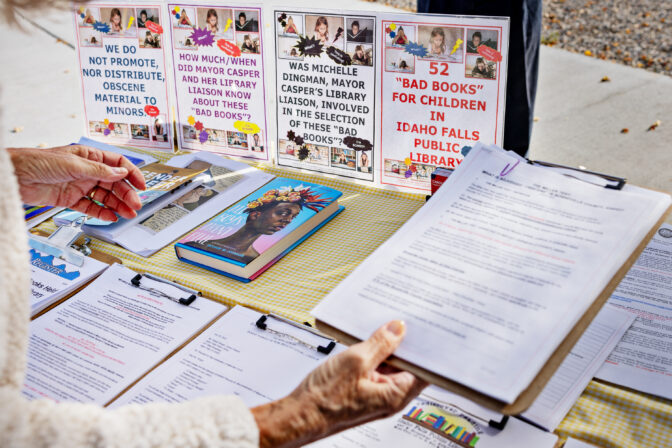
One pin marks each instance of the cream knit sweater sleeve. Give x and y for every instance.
(210, 421)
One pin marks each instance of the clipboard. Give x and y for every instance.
(81, 242)
(262, 323)
(527, 397)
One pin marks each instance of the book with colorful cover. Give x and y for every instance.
(251, 235)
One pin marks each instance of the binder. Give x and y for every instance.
(527, 397)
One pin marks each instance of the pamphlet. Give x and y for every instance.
(53, 278)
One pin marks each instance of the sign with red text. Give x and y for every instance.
(122, 59)
(219, 78)
(443, 88)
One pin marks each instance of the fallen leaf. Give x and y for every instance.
(588, 53)
(536, 119)
(654, 125)
(625, 130)
(73, 115)
(17, 129)
(605, 79)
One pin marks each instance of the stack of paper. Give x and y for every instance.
(435, 420)
(234, 356)
(643, 358)
(578, 368)
(495, 270)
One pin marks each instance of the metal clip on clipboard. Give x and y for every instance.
(135, 281)
(608, 181)
(454, 432)
(61, 243)
(326, 349)
(491, 423)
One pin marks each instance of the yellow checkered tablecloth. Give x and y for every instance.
(604, 415)
(296, 283)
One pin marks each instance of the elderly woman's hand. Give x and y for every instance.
(71, 176)
(349, 389)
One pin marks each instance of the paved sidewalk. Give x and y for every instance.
(580, 118)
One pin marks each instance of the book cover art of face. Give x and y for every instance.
(257, 222)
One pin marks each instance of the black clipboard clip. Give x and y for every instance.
(611, 182)
(325, 349)
(186, 301)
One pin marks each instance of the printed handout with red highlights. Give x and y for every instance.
(95, 344)
(642, 360)
(495, 270)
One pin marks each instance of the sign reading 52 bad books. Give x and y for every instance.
(219, 78)
(123, 71)
(443, 89)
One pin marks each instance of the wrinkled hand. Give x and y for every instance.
(349, 389)
(66, 176)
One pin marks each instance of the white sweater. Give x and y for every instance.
(211, 421)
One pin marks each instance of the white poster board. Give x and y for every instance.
(218, 65)
(384, 97)
(122, 60)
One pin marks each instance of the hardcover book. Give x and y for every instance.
(246, 239)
